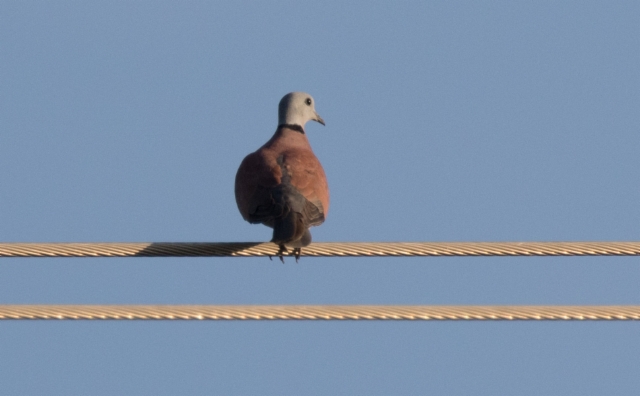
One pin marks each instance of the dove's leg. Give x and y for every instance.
(281, 252)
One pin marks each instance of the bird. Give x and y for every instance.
(282, 184)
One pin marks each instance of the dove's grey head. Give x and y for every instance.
(296, 108)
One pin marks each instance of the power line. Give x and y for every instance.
(317, 312)
(322, 249)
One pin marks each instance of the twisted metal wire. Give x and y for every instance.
(323, 249)
(316, 312)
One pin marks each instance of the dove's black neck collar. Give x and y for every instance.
(294, 127)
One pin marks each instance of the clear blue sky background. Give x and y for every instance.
(446, 121)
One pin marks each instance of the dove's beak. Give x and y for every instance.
(319, 119)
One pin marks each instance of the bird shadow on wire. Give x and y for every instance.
(202, 249)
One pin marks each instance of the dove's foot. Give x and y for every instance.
(281, 253)
(296, 253)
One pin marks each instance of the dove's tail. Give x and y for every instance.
(291, 230)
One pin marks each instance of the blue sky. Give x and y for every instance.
(446, 121)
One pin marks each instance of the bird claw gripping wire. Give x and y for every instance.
(283, 250)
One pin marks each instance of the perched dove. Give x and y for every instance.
(282, 185)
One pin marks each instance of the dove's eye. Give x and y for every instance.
(308, 101)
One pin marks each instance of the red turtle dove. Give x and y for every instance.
(282, 185)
